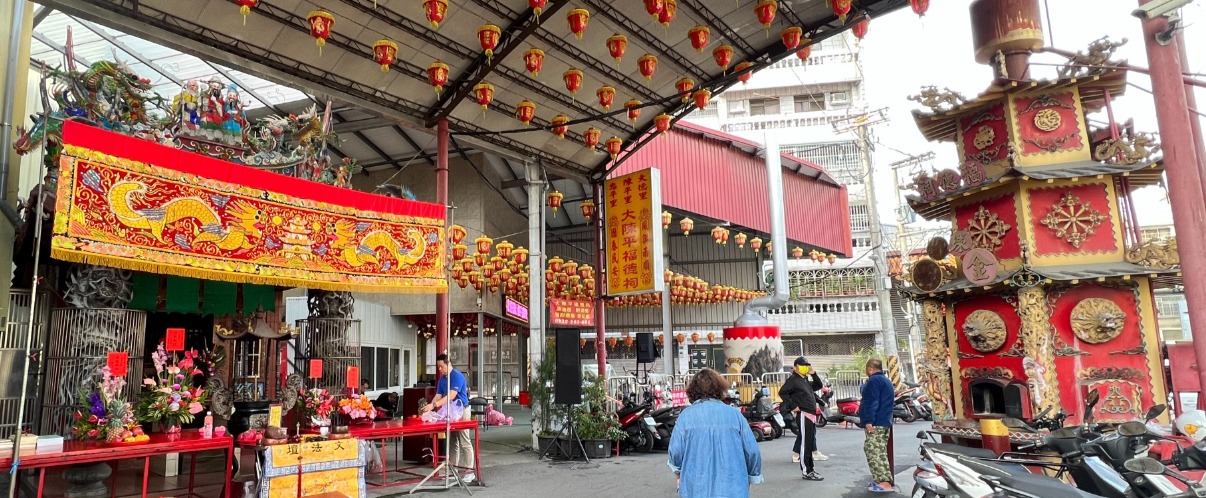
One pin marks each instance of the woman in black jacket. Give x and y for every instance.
(799, 392)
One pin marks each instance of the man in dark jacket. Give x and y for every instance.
(800, 393)
(875, 413)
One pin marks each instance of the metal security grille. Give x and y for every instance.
(841, 159)
(336, 341)
(12, 354)
(79, 344)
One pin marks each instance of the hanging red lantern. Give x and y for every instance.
(467, 264)
(648, 65)
(667, 218)
(756, 244)
(791, 37)
(702, 97)
(660, 339)
(617, 44)
(662, 123)
(537, 7)
(462, 281)
(533, 60)
(634, 110)
(586, 271)
(559, 128)
(385, 52)
(498, 264)
(483, 94)
(628, 340)
(588, 212)
(321, 23)
(831, 258)
(919, 6)
(803, 53)
(740, 240)
(766, 10)
(521, 255)
(611, 342)
(699, 37)
(742, 66)
(680, 337)
(435, 10)
(590, 137)
(437, 75)
(669, 11)
(614, 144)
(684, 87)
(717, 234)
(607, 96)
(504, 275)
(525, 111)
(548, 276)
(483, 244)
(695, 337)
(578, 19)
(245, 7)
(479, 258)
(479, 283)
(769, 248)
(457, 234)
(711, 337)
(570, 268)
(488, 35)
(860, 28)
(554, 199)
(686, 224)
(459, 251)
(841, 8)
(655, 7)
(573, 80)
(723, 55)
(797, 252)
(504, 249)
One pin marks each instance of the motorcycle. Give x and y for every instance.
(904, 407)
(757, 413)
(845, 410)
(664, 419)
(921, 401)
(638, 424)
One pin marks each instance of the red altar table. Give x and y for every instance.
(80, 452)
(394, 429)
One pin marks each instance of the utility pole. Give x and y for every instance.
(860, 125)
(902, 243)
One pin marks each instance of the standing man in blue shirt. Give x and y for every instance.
(455, 389)
(875, 413)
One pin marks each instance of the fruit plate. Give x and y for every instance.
(127, 443)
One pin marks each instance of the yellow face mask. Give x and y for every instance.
(803, 369)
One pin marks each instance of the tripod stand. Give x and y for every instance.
(570, 435)
(452, 477)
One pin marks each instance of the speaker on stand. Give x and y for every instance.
(567, 391)
(646, 353)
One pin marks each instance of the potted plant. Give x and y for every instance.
(597, 427)
(172, 400)
(544, 412)
(317, 405)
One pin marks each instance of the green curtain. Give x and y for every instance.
(218, 298)
(146, 291)
(257, 296)
(182, 294)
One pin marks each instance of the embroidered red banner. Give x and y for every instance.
(130, 203)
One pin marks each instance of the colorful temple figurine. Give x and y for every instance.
(213, 106)
(1043, 292)
(188, 105)
(235, 120)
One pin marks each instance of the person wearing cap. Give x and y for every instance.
(799, 393)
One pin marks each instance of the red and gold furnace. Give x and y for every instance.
(1044, 290)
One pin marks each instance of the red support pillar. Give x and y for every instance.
(600, 280)
(442, 316)
(1184, 178)
(1191, 100)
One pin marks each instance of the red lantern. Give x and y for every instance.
(588, 212)
(488, 35)
(611, 342)
(742, 66)
(680, 337)
(457, 234)
(459, 251)
(614, 144)
(666, 16)
(655, 7)
(634, 110)
(684, 87)
(525, 111)
(457, 272)
(521, 255)
(841, 8)
(797, 252)
(695, 337)
(607, 96)
(919, 6)
(662, 122)
(321, 23)
(548, 276)
(860, 28)
(699, 37)
(702, 97)
(462, 281)
(616, 45)
(660, 339)
(686, 224)
(717, 234)
(437, 75)
(578, 19)
(765, 10)
(533, 60)
(831, 258)
(590, 137)
(559, 127)
(628, 340)
(537, 7)
(756, 244)
(667, 217)
(723, 55)
(245, 7)
(740, 240)
(435, 10)
(803, 53)
(504, 249)
(385, 52)
(467, 264)
(573, 80)
(554, 198)
(479, 258)
(648, 65)
(483, 93)
(791, 37)
(483, 244)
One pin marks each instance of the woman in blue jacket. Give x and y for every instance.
(706, 439)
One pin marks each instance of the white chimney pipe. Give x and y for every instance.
(754, 309)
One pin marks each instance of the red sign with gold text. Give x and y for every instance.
(571, 313)
(633, 206)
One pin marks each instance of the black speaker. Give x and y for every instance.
(568, 389)
(646, 351)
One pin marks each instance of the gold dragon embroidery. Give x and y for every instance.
(356, 254)
(248, 223)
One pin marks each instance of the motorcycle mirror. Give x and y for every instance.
(1144, 465)
(922, 435)
(1155, 411)
(1091, 400)
(1132, 429)
(1066, 433)
(1013, 423)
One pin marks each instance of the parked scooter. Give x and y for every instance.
(636, 422)
(753, 411)
(844, 410)
(664, 419)
(921, 401)
(903, 406)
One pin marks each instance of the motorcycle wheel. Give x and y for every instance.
(649, 441)
(776, 430)
(910, 416)
(665, 441)
(821, 422)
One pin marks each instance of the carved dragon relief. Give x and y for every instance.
(1126, 150)
(936, 360)
(1096, 320)
(985, 331)
(1157, 254)
(1095, 60)
(938, 100)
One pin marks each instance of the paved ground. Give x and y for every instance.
(511, 471)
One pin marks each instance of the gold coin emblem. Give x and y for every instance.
(1047, 120)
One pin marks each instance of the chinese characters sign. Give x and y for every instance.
(335, 466)
(633, 206)
(517, 310)
(571, 313)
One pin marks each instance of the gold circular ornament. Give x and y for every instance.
(985, 330)
(1096, 320)
(1047, 120)
(984, 137)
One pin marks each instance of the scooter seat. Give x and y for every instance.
(1039, 485)
(846, 400)
(960, 450)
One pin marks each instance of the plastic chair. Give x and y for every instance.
(477, 408)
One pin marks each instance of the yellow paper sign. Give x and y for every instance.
(274, 415)
(633, 206)
(314, 452)
(343, 481)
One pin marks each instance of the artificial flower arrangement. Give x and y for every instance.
(358, 408)
(172, 398)
(107, 418)
(317, 404)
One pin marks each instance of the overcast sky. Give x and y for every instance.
(902, 52)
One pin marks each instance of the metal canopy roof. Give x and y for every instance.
(275, 44)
